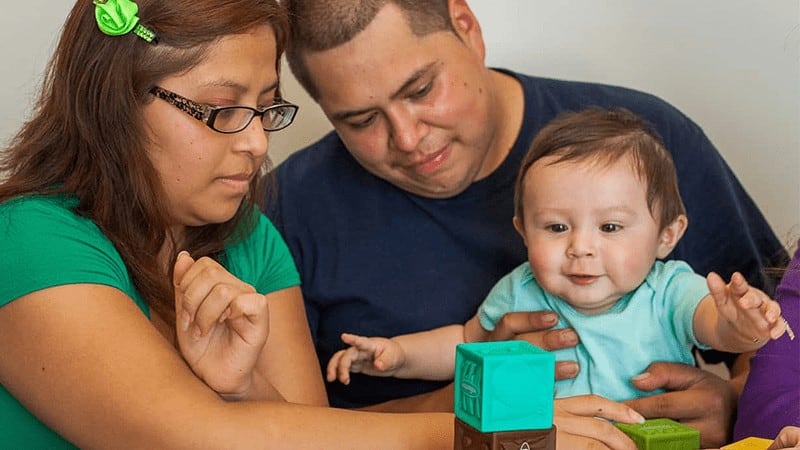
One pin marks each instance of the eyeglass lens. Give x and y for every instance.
(234, 119)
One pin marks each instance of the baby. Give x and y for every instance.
(598, 207)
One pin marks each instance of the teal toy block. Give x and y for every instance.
(504, 386)
(662, 434)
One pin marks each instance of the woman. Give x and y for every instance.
(770, 398)
(132, 194)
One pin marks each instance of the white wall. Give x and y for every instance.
(731, 65)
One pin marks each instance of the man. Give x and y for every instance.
(400, 221)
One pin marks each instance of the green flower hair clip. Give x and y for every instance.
(118, 17)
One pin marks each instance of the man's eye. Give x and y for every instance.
(610, 227)
(557, 228)
(422, 92)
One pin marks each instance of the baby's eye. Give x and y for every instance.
(610, 227)
(557, 227)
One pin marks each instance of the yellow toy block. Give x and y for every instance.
(751, 443)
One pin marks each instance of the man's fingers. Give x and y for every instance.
(663, 405)
(670, 376)
(512, 324)
(566, 369)
(694, 397)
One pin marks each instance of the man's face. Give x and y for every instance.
(415, 111)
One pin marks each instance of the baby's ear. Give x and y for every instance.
(670, 236)
(520, 227)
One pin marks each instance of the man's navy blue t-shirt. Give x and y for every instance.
(378, 261)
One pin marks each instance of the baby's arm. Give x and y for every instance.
(736, 317)
(428, 355)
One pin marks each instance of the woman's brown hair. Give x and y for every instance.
(86, 135)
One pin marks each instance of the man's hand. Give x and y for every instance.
(534, 327)
(695, 398)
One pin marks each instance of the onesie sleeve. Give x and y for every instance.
(684, 289)
(503, 297)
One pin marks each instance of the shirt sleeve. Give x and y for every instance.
(44, 244)
(263, 259)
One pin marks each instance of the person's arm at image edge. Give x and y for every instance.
(136, 391)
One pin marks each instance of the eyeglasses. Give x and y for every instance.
(231, 119)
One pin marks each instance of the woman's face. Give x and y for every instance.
(206, 174)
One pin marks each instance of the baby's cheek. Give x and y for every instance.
(634, 270)
(542, 261)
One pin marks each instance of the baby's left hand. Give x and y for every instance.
(755, 316)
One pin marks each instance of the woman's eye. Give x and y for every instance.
(610, 227)
(364, 122)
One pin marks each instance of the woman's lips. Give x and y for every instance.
(239, 183)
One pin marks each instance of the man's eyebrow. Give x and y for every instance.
(414, 78)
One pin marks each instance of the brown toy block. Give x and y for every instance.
(469, 438)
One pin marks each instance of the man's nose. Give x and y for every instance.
(406, 129)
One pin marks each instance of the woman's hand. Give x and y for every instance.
(788, 438)
(222, 325)
(580, 423)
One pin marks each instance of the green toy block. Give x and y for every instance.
(662, 434)
(504, 386)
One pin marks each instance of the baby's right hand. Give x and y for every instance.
(369, 355)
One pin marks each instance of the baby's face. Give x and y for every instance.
(591, 237)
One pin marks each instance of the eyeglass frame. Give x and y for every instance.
(207, 113)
